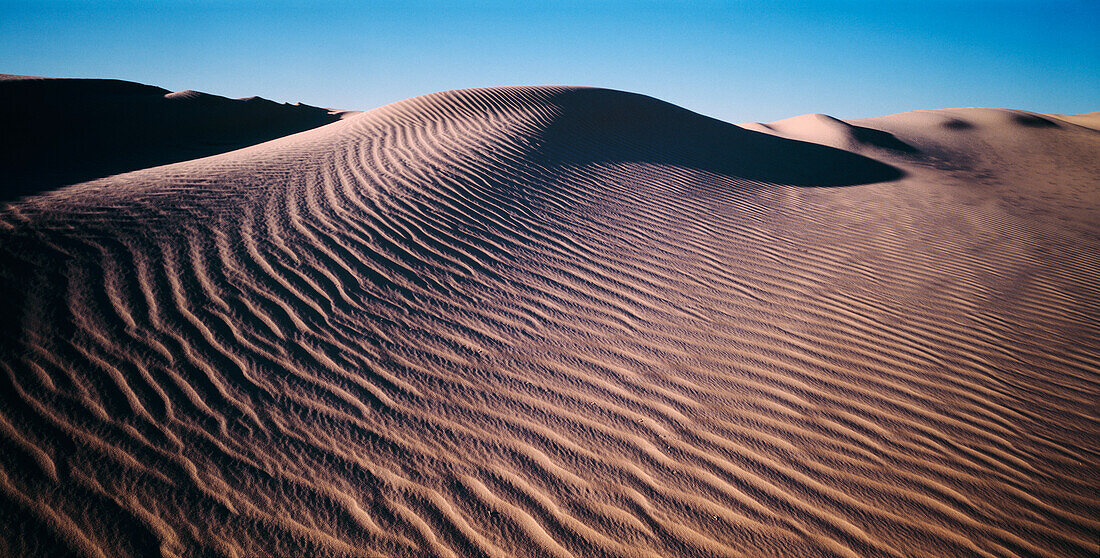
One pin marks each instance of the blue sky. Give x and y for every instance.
(738, 61)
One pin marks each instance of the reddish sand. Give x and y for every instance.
(557, 321)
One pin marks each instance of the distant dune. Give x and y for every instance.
(559, 321)
(64, 131)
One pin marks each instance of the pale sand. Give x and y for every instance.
(555, 321)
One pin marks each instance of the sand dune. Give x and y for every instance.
(554, 321)
(65, 131)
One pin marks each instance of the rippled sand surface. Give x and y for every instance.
(550, 321)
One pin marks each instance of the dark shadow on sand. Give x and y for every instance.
(601, 125)
(55, 132)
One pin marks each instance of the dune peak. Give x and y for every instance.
(549, 321)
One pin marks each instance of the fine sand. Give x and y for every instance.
(557, 321)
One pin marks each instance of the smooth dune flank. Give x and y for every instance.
(556, 321)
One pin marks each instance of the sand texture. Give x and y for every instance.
(556, 321)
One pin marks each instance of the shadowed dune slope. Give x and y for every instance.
(551, 321)
(63, 131)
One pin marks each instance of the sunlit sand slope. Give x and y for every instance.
(553, 321)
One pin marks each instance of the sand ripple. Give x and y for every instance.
(559, 322)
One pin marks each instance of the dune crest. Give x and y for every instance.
(534, 321)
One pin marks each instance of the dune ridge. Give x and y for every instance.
(557, 321)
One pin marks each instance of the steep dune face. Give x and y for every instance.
(65, 131)
(557, 321)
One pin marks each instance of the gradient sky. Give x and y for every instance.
(738, 61)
